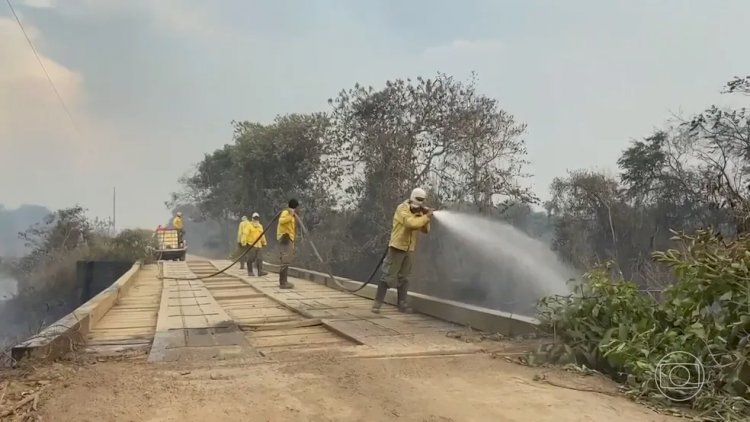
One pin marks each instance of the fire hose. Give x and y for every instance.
(328, 267)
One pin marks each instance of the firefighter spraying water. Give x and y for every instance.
(505, 268)
(410, 217)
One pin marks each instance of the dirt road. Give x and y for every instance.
(324, 388)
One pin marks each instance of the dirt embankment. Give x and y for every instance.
(317, 388)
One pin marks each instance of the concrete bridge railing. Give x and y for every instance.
(484, 319)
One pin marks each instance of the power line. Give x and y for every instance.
(44, 69)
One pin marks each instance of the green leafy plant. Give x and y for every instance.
(613, 327)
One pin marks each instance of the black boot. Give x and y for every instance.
(379, 297)
(283, 282)
(403, 294)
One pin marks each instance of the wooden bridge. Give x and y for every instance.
(173, 312)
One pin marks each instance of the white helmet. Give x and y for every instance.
(179, 213)
(256, 215)
(244, 218)
(418, 197)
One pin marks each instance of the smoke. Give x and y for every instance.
(8, 287)
(41, 297)
(210, 238)
(489, 263)
(9, 330)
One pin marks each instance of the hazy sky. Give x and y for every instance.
(153, 85)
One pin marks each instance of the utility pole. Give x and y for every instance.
(114, 211)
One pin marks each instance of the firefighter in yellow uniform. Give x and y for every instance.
(240, 232)
(285, 233)
(410, 217)
(177, 224)
(253, 235)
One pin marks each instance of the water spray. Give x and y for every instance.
(490, 263)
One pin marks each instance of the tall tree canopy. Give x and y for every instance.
(690, 175)
(352, 166)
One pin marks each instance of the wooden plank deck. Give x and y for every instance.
(236, 315)
(131, 322)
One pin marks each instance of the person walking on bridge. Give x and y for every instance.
(285, 233)
(410, 217)
(240, 234)
(178, 225)
(254, 236)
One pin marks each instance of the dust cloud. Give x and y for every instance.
(489, 263)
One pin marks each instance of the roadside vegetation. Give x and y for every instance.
(668, 313)
(688, 343)
(46, 275)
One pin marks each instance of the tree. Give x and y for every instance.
(662, 174)
(720, 140)
(645, 169)
(586, 205)
(210, 196)
(384, 143)
(489, 156)
(739, 85)
(688, 176)
(352, 166)
(260, 171)
(59, 232)
(279, 161)
(210, 188)
(437, 132)
(130, 245)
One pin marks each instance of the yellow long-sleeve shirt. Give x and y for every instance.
(241, 230)
(405, 227)
(253, 231)
(287, 225)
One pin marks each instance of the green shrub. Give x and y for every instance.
(128, 245)
(612, 326)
